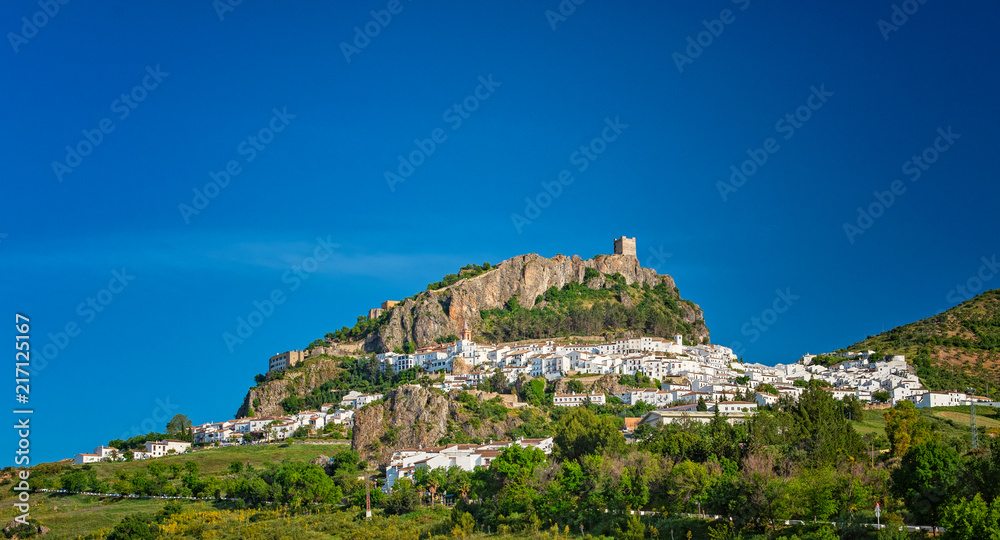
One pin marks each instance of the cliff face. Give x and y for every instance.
(432, 314)
(268, 395)
(414, 417)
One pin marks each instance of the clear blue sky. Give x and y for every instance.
(210, 84)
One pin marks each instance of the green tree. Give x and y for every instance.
(823, 432)
(972, 520)
(925, 477)
(180, 427)
(689, 482)
(853, 409)
(403, 499)
(509, 479)
(580, 432)
(132, 527)
(702, 406)
(634, 529)
(459, 481)
(881, 396)
(463, 523)
(431, 480)
(905, 428)
(817, 493)
(497, 382)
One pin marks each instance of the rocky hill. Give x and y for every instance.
(436, 313)
(265, 399)
(951, 350)
(414, 417)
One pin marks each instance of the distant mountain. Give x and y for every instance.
(955, 349)
(531, 297)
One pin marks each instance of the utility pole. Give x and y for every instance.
(972, 418)
(368, 499)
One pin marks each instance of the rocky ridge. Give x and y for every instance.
(432, 314)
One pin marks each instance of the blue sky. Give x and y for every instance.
(203, 92)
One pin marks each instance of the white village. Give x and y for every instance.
(695, 382)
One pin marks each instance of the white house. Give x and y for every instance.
(736, 406)
(107, 452)
(156, 448)
(86, 458)
(940, 399)
(574, 399)
(178, 447)
(405, 462)
(764, 398)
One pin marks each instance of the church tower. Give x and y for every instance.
(466, 333)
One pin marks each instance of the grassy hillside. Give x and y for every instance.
(953, 350)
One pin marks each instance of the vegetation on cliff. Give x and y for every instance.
(578, 309)
(467, 271)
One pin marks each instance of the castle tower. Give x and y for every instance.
(625, 246)
(466, 333)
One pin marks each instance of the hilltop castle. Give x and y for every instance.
(625, 246)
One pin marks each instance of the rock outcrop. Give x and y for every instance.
(416, 417)
(265, 399)
(432, 314)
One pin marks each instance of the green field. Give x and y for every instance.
(948, 421)
(217, 460)
(70, 516)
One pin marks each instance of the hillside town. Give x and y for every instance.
(686, 372)
(691, 383)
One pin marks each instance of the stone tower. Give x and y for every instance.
(466, 333)
(625, 246)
